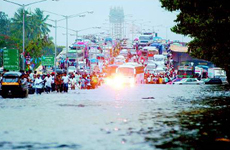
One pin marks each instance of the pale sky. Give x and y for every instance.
(141, 10)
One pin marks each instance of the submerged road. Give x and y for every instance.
(137, 118)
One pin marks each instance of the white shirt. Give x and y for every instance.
(31, 76)
(48, 81)
(149, 79)
(77, 77)
(52, 77)
(38, 83)
(73, 81)
(65, 79)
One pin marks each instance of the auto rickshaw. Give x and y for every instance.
(14, 84)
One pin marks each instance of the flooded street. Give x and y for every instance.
(138, 118)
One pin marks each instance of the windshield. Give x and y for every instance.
(184, 80)
(159, 59)
(151, 67)
(80, 47)
(82, 64)
(10, 79)
(71, 67)
(145, 38)
(126, 71)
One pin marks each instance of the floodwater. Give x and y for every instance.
(133, 118)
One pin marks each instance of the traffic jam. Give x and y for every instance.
(89, 63)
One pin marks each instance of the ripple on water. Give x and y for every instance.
(37, 145)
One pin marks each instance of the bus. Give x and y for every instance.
(186, 72)
(145, 40)
(151, 51)
(131, 73)
(76, 52)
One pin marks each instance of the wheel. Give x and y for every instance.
(4, 94)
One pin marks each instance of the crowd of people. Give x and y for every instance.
(61, 82)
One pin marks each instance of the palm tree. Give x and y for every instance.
(41, 26)
(17, 24)
(4, 23)
(35, 24)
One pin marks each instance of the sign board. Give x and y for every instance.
(185, 68)
(48, 61)
(11, 59)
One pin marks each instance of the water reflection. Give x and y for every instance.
(206, 125)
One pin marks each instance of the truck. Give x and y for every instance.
(203, 73)
(217, 72)
(145, 40)
(160, 60)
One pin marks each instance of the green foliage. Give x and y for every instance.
(37, 42)
(207, 22)
(4, 23)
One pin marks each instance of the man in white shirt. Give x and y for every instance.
(53, 83)
(38, 84)
(48, 81)
(73, 83)
(65, 79)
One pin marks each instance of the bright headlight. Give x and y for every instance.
(132, 80)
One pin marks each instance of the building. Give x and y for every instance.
(181, 56)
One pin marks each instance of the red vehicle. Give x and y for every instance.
(149, 52)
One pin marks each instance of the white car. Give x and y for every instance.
(151, 67)
(81, 66)
(189, 81)
(71, 69)
(124, 52)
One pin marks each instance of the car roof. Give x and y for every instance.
(18, 74)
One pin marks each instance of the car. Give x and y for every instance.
(133, 52)
(60, 71)
(213, 81)
(124, 52)
(175, 80)
(189, 81)
(150, 68)
(71, 69)
(159, 70)
(119, 60)
(14, 84)
(81, 66)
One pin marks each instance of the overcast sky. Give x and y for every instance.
(141, 11)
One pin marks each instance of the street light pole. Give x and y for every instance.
(23, 39)
(66, 35)
(76, 35)
(55, 59)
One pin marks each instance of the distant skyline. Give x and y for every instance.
(140, 10)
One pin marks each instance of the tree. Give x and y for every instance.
(4, 23)
(37, 42)
(40, 19)
(207, 22)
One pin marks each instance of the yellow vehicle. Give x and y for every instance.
(14, 84)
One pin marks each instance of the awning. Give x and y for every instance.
(177, 48)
